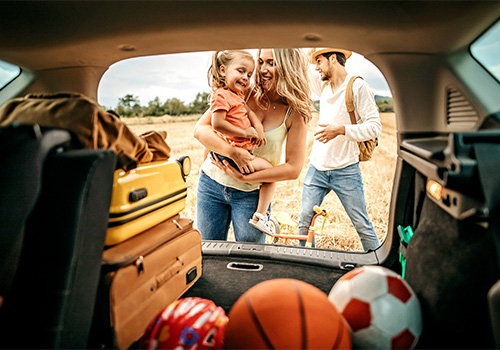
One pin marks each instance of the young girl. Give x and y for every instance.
(234, 122)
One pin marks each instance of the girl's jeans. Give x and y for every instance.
(347, 183)
(217, 206)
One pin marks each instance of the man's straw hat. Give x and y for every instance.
(321, 50)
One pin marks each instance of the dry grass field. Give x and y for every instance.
(339, 233)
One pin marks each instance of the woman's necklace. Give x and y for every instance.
(273, 103)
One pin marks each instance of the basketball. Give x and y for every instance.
(285, 314)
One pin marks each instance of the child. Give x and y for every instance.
(234, 122)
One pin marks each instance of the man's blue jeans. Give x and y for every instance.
(348, 185)
(217, 206)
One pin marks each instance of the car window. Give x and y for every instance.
(170, 92)
(486, 50)
(8, 72)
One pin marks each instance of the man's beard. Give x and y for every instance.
(326, 76)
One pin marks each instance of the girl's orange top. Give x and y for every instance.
(236, 114)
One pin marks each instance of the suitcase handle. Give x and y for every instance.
(171, 271)
(137, 195)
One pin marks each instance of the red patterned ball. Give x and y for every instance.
(380, 307)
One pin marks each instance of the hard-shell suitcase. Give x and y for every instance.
(141, 276)
(143, 197)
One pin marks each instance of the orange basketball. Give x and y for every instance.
(285, 314)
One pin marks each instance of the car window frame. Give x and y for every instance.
(496, 27)
(4, 84)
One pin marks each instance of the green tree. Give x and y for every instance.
(128, 105)
(154, 108)
(200, 103)
(120, 110)
(385, 105)
(128, 101)
(137, 110)
(174, 106)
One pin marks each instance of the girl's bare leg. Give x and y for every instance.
(265, 196)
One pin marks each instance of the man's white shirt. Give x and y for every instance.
(343, 150)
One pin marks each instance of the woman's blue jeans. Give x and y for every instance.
(347, 183)
(217, 206)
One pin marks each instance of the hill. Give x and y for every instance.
(383, 98)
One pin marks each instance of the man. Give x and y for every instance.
(334, 159)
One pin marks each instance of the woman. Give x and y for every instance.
(282, 102)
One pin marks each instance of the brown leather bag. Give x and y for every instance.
(93, 127)
(367, 147)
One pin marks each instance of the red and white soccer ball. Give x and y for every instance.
(380, 307)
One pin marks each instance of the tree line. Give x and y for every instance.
(129, 106)
(384, 104)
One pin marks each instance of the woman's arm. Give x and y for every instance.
(204, 133)
(294, 158)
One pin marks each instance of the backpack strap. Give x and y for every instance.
(349, 99)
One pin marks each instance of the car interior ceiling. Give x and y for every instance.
(25, 25)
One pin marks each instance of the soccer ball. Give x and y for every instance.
(380, 307)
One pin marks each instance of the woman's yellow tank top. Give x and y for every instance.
(271, 152)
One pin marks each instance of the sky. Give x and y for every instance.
(184, 75)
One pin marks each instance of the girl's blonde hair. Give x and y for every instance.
(223, 58)
(292, 82)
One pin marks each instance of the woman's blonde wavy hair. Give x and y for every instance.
(292, 82)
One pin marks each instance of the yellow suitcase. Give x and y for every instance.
(146, 196)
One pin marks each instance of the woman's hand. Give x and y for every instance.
(228, 169)
(243, 159)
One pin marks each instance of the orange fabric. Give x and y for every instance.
(93, 127)
(236, 114)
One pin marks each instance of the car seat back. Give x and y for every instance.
(23, 150)
(51, 300)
